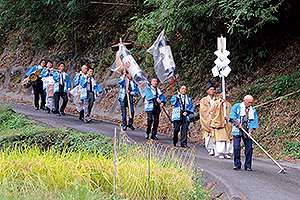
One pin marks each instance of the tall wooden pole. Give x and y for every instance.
(128, 98)
(127, 94)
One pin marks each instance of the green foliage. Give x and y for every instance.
(292, 148)
(59, 140)
(191, 25)
(247, 16)
(198, 191)
(282, 84)
(77, 23)
(16, 131)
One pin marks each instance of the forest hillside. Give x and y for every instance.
(262, 36)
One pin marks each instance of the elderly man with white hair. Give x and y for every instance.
(243, 116)
(76, 91)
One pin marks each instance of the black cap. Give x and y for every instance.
(209, 84)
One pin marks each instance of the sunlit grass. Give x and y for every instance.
(32, 174)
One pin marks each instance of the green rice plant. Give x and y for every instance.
(29, 173)
(166, 181)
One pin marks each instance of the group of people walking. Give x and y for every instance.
(154, 101)
(54, 84)
(222, 133)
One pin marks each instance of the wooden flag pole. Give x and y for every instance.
(128, 98)
(127, 94)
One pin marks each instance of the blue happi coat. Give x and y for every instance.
(46, 73)
(135, 89)
(76, 80)
(67, 83)
(235, 113)
(33, 69)
(189, 108)
(150, 96)
(83, 90)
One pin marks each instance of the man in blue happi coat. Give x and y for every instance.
(47, 77)
(38, 85)
(88, 93)
(154, 100)
(132, 91)
(182, 108)
(243, 116)
(76, 82)
(62, 87)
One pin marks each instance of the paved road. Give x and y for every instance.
(262, 183)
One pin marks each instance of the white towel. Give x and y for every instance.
(250, 113)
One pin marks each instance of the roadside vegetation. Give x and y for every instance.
(42, 162)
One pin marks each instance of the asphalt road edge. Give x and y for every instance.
(221, 186)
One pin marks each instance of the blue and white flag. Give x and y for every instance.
(164, 64)
(133, 68)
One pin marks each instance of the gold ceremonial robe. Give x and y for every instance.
(221, 131)
(205, 118)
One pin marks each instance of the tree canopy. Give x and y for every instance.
(191, 26)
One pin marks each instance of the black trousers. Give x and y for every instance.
(38, 91)
(64, 97)
(183, 133)
(153, 116)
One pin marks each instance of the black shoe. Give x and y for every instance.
(248, 169)
(124, 127)
(36, 108)
(154, 137)
(131, 127)
(57, 113)
(237, 168)
(62, 113)
(147, 136)
(185, 146)
(48, 110)
(43, 107)
(174, 144)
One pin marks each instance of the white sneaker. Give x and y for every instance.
(227, 156)
(221, 157)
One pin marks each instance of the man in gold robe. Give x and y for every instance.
(206, 104)
(221, 127)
